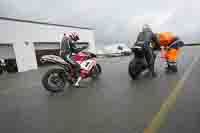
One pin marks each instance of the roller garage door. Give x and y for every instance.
(46, 48)
(7, 53)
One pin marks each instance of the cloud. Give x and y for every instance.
(113, 20)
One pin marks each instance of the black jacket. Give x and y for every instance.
(67, 47)
(146, 37)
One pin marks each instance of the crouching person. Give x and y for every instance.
(171, 45)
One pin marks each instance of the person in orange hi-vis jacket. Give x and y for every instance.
(171, 45)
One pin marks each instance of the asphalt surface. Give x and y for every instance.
(112, 104)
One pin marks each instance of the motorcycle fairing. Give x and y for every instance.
(53, 59)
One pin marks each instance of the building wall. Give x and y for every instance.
(25, 56)
(46, 46)
(7, 51)
(21, 33)
(18, 31)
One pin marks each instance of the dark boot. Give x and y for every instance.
(174, 68)
(171, 68)
(77, 82)
(77, 76)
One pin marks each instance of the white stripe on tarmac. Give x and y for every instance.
(160, 116)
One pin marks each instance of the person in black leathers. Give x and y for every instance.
(145, 38)
(67, 48)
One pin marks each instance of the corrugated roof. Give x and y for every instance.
(43, 23)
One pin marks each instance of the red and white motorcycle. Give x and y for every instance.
(55, 79)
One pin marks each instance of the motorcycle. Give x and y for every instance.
(138, 64)
(2, 66)
(8, 66)
(55, 80)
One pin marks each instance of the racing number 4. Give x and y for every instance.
(86, 64)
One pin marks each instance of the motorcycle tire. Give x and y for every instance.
(11, 66)
(60, 75)
(12, 69)
(1, 70)
(97, 70)
(134, 69)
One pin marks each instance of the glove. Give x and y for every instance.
(85, 47)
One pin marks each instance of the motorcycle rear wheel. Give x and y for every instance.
(54, 80)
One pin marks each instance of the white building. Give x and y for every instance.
(20, 38)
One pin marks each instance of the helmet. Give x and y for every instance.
(146, 27)
(72, 35)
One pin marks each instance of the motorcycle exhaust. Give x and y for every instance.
(42, 60)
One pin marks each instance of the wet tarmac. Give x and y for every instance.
(112, 104)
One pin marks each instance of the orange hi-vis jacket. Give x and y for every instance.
(165, 39)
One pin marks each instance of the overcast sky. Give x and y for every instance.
(114, 20)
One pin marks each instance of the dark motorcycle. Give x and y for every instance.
(138, 64)
(2, 66)
(8, 66)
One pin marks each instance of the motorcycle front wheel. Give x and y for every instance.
(134, 69)
(54, 80)
(97, 70)
(1, 70)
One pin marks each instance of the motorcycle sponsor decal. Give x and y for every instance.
(87, 65)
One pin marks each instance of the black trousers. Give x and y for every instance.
(150, 58)
(76, 66)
